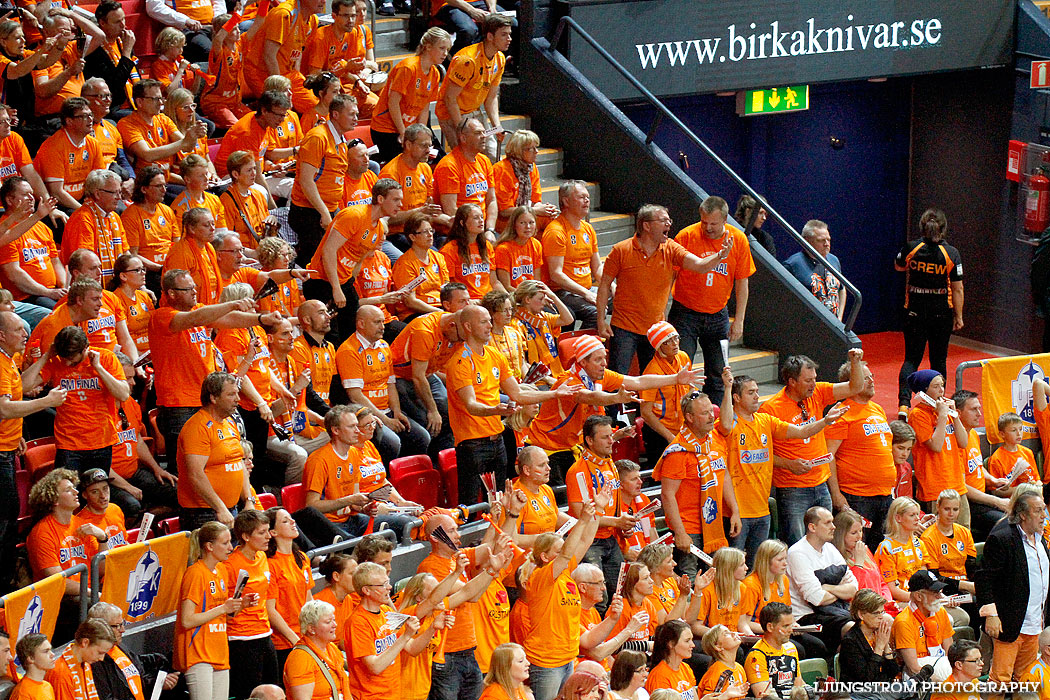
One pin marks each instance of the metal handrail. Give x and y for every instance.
(664, 112)
(67, 573)
(97, 566)
(963, 366)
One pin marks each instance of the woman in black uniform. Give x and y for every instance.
(933, 298)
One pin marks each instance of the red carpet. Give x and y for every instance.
(884, 353)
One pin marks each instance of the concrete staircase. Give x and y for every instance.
(391, 47)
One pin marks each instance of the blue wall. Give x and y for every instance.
(861, 191)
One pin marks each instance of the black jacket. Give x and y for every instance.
(1002, 577)
(858, 662)
(111, 683)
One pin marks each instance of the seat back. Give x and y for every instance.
(812, 669)
(447, 466)
(170, 526)
(39, 460)
(408, 465)
(22, 485)
(565, 345)
(267, 500)
(294, 497)
(423, 487)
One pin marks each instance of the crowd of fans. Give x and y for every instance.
(321, 313)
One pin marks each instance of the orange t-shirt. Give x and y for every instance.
(13, 156)
(151, 234)
(975, 462)
(301, 669)
(667, 400)
(506, 184)
(540, 514)
(137, 312)
(160, 132)
(247, 134)
(811, 410)
(321, 361)
(59, 159)
(709, 292)
(71, 680)
(560, 422)
(643, 282)
(326, 151)
(343, 608)
(422, 340)
(897, 561)
(1002, 462)
(28, 689)
(476, 73)
(207, 643)
(368, 634)
(101, 331)
(375, 280)
(521, 262)
(110, 522)
(188, 357)
(234, 343)
(417, 671)
(331, 475)
(34, 252)
(290, 585)
(417, 183)
(554, 617)
(417, 92)
(368, 470)
(484, 372)
(701, 467)
(220, 442)
(289, 27)
(50, 543)
(864, 459)
(576, 247)
(184, 202)
(591, 473)
(681, 681)
(368, 367)
(461, 634)
(912, 630)
(541, 338)
(287, 134)
(709, 681)
(251, 622)
(10, 386)
(491, 621)
(950, 552)
(125, 452)
(225, 92)
(358, 190)
(88, 418)
(935, 471)
(751, 460)
(434, 269)
(109, 140)
(714, 611)
(752, 599)
(202, 263)
(645, 632)
(469, 180)
(252, 205)
(361, 237)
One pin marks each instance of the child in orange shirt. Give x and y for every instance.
(202, 650)
(253, 659)
(721, 601)
(71, 677)
(1012, 453)
(35, 656)
(221, 101)
(171, 69)
(508, 671)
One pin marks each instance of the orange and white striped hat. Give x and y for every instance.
(659, 333)
(585, 345)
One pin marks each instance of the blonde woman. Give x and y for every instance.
(508, 671)
(518, 422)
(541, 328)
(181, 109)
(901, 553)
(951, 544)
(517, 179)
(672, 596)
(721, 644)
(519, 254)
(721, 600)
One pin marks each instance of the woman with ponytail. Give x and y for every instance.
(202, 651)
(290, 581)
(933, 299)
(253, 659)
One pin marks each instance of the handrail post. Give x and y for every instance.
(963, 366)
(652, 129)
(663, 111)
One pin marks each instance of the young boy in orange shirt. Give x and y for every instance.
(1012, 453)
(901, 445)
(35, 656)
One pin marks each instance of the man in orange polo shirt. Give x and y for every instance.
(464, 176)
(862, 445)
(13, 342)
(366, 367)
(182, 327)
(474, 75)
(922, 632)
(644, 268)
(558, 426)
(355, 232)
(476, 376)
(67, 156)
(801, 468)
(750, 438)
(699, 309)
(149, 135)
(416, 177)
(320, 176)
(570, 254)
(329, 483)
(85, 426)
(194, 252)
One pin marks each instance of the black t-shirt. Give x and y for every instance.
(930, 270)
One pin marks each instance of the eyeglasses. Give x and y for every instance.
(183, 289)
(104, 97)
(5, 122)
(593, 583)
(236, 250)
(115, 193)
(135, 269)
(158, 98)
(354, 143)
(120, 626)
(377, 585)
(82, 116)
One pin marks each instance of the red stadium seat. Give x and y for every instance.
(133, 535)
(39, 460)
(423, 487)
(361, 131)
(22, 486)
(159, 446)
(267, 500)
(293, 497)
(627, 448)
(904, 481)
(170, 526)
(408, 465)
(638, 423)
(213, 150)
(447, 466)
(50, 440)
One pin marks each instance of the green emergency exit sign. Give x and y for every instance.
(793, 98)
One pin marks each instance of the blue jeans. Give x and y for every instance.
(390, 444)
(30, 313)
(753, 531)
(709, 330)
(546, 682)
(9, 521)
(605, 553)
(392, 251)
(622, 347)
(793, 502)
(458, 22)
(45, 302)
(875, 509)
(582, 310)
(459, 678)
(82, 460)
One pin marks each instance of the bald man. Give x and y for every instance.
(267, 691)
(476, 376)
